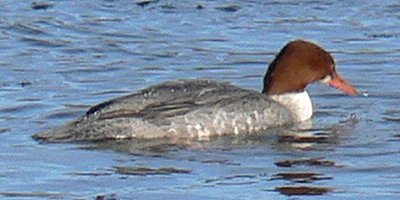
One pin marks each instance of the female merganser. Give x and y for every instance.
(198, 108)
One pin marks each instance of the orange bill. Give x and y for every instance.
(341, 84)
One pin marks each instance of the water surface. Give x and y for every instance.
(60, 57)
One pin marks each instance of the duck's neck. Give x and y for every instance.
(299, 103)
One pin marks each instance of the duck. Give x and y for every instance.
(198, 108)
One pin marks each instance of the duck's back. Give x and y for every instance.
(184, 108)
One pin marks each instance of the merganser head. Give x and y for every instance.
(300, 63)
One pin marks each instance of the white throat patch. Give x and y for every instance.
(326, 79)
(298, 103)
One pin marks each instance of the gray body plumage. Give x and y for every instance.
(182, 109)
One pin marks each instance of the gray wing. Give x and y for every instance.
(165, 100)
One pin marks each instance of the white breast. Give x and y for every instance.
(298, 103)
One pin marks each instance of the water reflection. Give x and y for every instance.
(300, 177)
(303, 190)
(217, 151)
(280, 139)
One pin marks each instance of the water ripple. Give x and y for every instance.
(60, 57)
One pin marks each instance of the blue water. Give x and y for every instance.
(59, 60)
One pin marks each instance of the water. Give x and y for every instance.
(59, 58)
